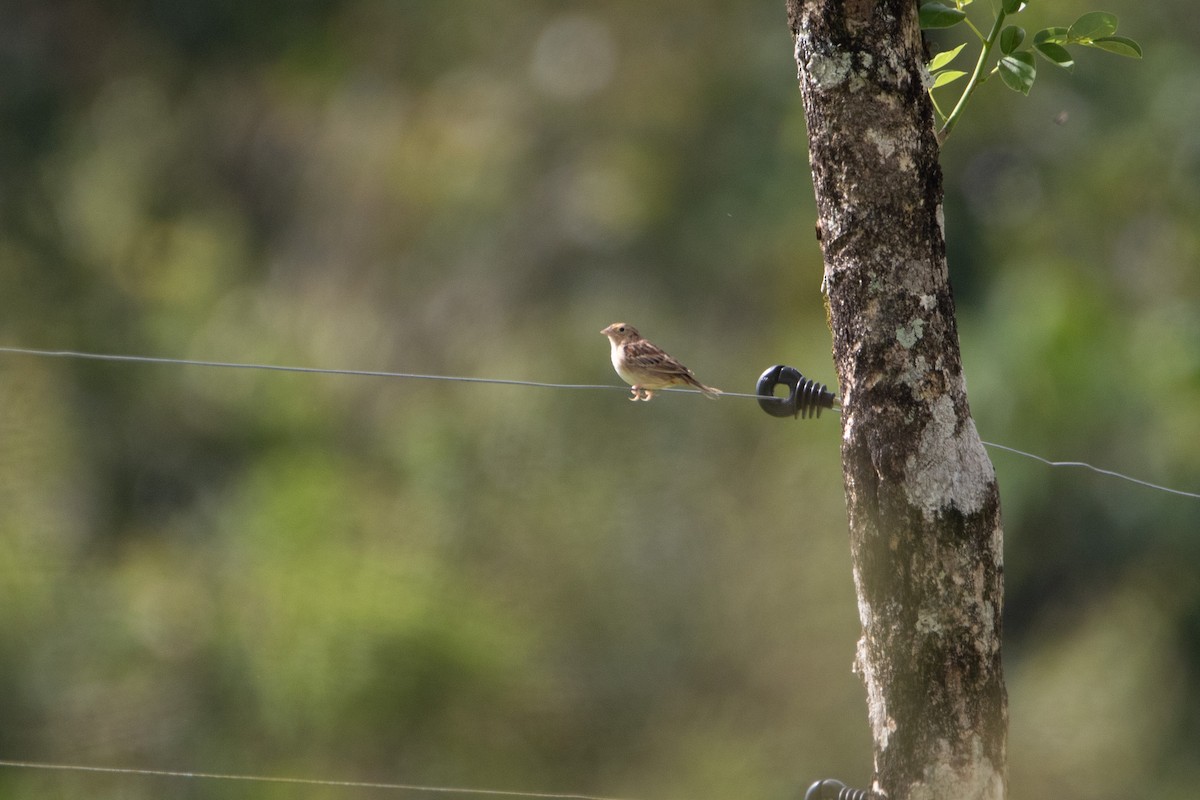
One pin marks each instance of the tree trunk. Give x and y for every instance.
(924, 507)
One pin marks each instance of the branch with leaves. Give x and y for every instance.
(1016, 66)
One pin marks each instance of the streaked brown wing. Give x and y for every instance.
(645, 356)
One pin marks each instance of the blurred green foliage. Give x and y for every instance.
(506, 587)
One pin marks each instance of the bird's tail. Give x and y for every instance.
(708, 391)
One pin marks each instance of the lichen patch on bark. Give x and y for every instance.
(979, 779)
(950, 467)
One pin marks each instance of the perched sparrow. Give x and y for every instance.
(645, 367)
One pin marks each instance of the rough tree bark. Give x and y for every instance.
(924, 507)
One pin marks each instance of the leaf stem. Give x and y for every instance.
(975, 79)
(941, 114)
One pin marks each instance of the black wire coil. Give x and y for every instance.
(806, 397)
(829, 789)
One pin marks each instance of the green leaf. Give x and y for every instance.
(1055, 54)
(1057, 35)
(1121, 45)
(944, 58)
(946, 76)
(936, 15)
(1093, 25)
(1011, 38)
(1012, 6)
(1018, 71)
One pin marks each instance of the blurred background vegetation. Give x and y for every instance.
(515, 588)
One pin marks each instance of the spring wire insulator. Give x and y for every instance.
(806, 397)
(829, 789)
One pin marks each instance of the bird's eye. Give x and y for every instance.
(621, 329)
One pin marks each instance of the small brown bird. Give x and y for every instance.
(646, 367)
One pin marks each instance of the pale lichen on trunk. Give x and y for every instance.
(923, 503)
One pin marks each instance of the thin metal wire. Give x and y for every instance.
(364, 373)
(1100, 470)
(189, 362)
(403, 787)
(509, 382)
